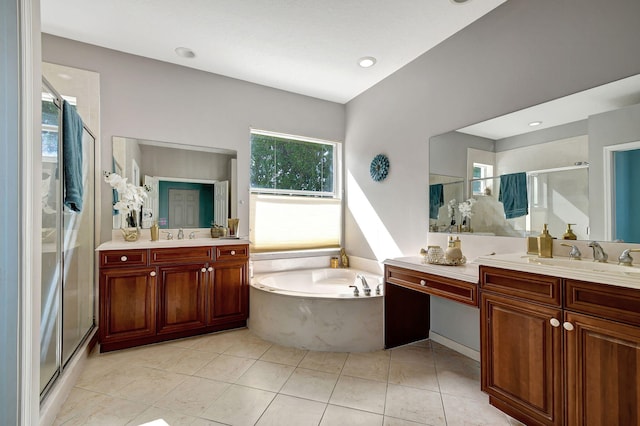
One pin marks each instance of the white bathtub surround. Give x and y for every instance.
(285, 310)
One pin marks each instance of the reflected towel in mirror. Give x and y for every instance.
(513, 195)
(436, 199)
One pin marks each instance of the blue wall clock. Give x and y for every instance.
(379, 167)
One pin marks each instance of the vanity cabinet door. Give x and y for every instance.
(181, 297)
(522, 358)
(127, 304)
(603, 371)
(228, 294)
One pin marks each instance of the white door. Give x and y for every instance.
(184, 208)
(221, 202)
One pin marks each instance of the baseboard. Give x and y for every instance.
(464, 350)
(53, 402)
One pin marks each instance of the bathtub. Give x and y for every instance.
(315, 309)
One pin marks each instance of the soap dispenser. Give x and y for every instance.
(155, 231)
(545, 243)
(568, 234)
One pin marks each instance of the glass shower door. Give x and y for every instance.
(51, 243)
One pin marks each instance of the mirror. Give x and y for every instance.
(188, 186)
(556, 163)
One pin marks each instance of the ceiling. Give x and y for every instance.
(310, 47)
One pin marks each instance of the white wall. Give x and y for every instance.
(521, 54)
(147, 99)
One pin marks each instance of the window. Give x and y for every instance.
(295, 193)
(481, 185)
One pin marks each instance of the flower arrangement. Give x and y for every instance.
(130, 200)
(451, 209)
(466, 210)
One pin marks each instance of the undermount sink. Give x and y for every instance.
(587, 266)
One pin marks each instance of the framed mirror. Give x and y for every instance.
(571, 156)
(188, 186)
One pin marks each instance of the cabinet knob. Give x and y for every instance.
(233, 252)
(203, 269)
(124, 258)
(568, 326)
(423, 282)
(152, 273)
(210, 268)
(554, 322)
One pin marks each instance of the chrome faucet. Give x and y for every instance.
(574, 254)
(355, 290)
(180, 234)
(365, 286)
(625, 258)
(192, 235)
(169, 235)
(598, 252)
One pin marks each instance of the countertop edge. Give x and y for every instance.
(148, 244)
(468, 272)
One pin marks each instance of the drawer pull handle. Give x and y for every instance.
(423, 282)
(554, 322)
(203, 270)
(568, 326)
(210, 268)
(124, 258)
(152, 273)
(233, 252)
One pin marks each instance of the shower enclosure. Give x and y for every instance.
(67, 297)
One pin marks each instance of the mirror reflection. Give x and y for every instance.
(188, 186)
(563, 162)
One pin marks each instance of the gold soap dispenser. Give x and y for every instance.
(568, 234)
(545, 243)
(155, 231)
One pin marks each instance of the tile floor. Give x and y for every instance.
(236, 378)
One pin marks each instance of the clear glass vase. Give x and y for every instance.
(130, 229)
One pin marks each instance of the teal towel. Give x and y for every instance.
(513, 195)
(72, 157)
(436, 199)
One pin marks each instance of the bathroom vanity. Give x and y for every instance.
(409, 282)
(560, 346)
(560, 339)
(156, 291)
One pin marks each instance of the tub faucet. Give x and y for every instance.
(355, 290)
(598, 252)
(365, 286)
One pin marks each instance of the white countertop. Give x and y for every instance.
(610, 273)
(146, 243)
(467, 272)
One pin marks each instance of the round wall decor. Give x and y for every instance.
(379, 167)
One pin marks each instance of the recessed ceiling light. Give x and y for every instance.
(459, 1)
(535, 123)
(185, 52)
(367, 61)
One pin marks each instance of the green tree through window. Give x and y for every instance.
(283, 164)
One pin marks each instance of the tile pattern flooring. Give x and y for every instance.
(236, 378)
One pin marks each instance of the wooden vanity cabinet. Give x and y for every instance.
(521, 355)
(127, 303)
(182, 285)
(408, 290)
(152, 295)
(560, 351)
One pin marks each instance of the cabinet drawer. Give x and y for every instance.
(166, 256)
(456, 290)
(611, 302)
(232, 252)
(119, 258)
(534, 287)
